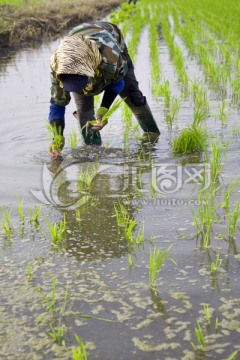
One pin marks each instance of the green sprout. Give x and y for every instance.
(56, 138)
(200, 337)
(58, 335)
(156, 261)
(73, 139)
(57, 232)
(215, 266)
(6, 224)
(80, 352)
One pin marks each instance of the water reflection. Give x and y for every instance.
(92, 189)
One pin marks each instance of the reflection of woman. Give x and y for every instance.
(93, 58)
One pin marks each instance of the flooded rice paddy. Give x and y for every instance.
(94, 283)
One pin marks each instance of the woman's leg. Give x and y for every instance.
(85, 112)
(136, 101)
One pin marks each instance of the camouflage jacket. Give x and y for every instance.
(112, 68)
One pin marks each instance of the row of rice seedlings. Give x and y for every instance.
(154, 53)
(223, 21)
(171, 104)
(193, 35)
(137, 25)
(158, 88)
(123, 14)
(221, 73)
(7, 226)
(175, 51)
(205, 217)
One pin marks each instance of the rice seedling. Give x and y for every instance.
(139, 239)
(232, 215)
(126, 132)
(85, 178)
(153, 44)
(215, 266)
(205, 217)
(130, 260)
(73, 139)
(29, 272)
(157, 258)
(201, 112)
(233, 356)
(218, 153)
(233, 220)
(175, 51)
(200, 337)
(34, 217)
(6, 223)
(128, 231)
(51, 303)
(54, 134)
(128, 224)
(57, 232)
(153, 187)
(127, 116)
(121, 214)
(165, 91)
(58, 335)
(216, 323)
(223, 113)
(78, 215)
(20, 210)
(137, 22)
(207, 314)
(173, 111)
(192, 138)
(116, 105)
(80, 352)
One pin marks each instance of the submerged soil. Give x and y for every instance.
(32, 24)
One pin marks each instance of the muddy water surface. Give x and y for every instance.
(98, 295)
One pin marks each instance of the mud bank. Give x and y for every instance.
(32, 24)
